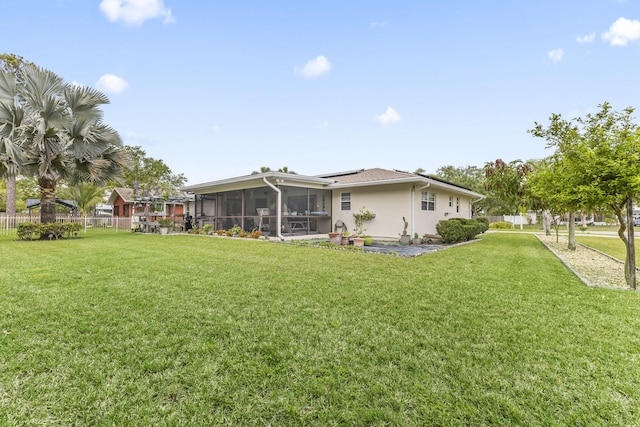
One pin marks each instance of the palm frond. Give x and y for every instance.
(83, 102)
(7, 87)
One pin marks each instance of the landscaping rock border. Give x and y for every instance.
(594, 268)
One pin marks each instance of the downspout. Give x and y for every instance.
(278, 209)
(413, 200)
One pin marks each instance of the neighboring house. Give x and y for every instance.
(125, 204)
(282, 204)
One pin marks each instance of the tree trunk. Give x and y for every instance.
(630, 262)
(11, 195)
(546, 222)
(572, 231)
(47, 200)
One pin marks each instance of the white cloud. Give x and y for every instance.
(315, 67)
(111, 83)
(622, 32)
(323, 125)
(388, 117)
(555, 55)
(135, 12)
(378, 24)
(586, 39)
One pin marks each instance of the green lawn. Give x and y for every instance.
(130, 329)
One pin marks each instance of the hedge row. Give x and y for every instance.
(52, 230)
(456, 230)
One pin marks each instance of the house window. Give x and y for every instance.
(457, 204)
(125, 210)
(345, 201)
(450, 201)
(428, 201)
(116, 210)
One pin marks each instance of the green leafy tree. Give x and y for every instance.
(506, 183)
(265, 169)
(58, 133)
(600, 158)
(149, 176)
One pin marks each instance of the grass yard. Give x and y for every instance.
(130, 329)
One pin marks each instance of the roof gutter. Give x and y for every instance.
(278, 210)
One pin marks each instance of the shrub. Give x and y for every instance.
(207, 228)
(450, 231)
(27, 230)
(457, 230)
(53, 230)
(484, 221)
(501, 225)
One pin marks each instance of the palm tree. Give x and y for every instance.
(12, 63)
(85, 195)
(61, 135)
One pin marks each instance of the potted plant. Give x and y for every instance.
(335, 237)
(358, 241)
(164, 224)
(345, 238)
(361, 216)
(416, 239)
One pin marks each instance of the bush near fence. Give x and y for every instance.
(9, 224)
(52, 230)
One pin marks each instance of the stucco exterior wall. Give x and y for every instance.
(392, 202)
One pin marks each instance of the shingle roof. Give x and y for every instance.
(369, 175)
(126, 194)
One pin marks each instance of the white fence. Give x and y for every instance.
(8, 224)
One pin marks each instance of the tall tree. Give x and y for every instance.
(149, 176)
(506, 181)
(11, 63)
(61, 134)
(601, 154)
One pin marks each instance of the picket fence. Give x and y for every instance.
(8, 224)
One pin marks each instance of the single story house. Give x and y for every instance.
(281, 204)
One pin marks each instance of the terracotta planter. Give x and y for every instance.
(335, 238)
(358, 241)
(345, 240)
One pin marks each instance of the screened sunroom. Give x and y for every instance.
(277, 204)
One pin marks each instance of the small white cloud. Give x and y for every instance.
(135, 12)
(315, 67)
(323, 125)
(388, 117)
(555, 55)
(215, 128)
(378, 24)
(111, 83)
(586, 39)
(622, 32)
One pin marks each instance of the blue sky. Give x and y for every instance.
(217, 89)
